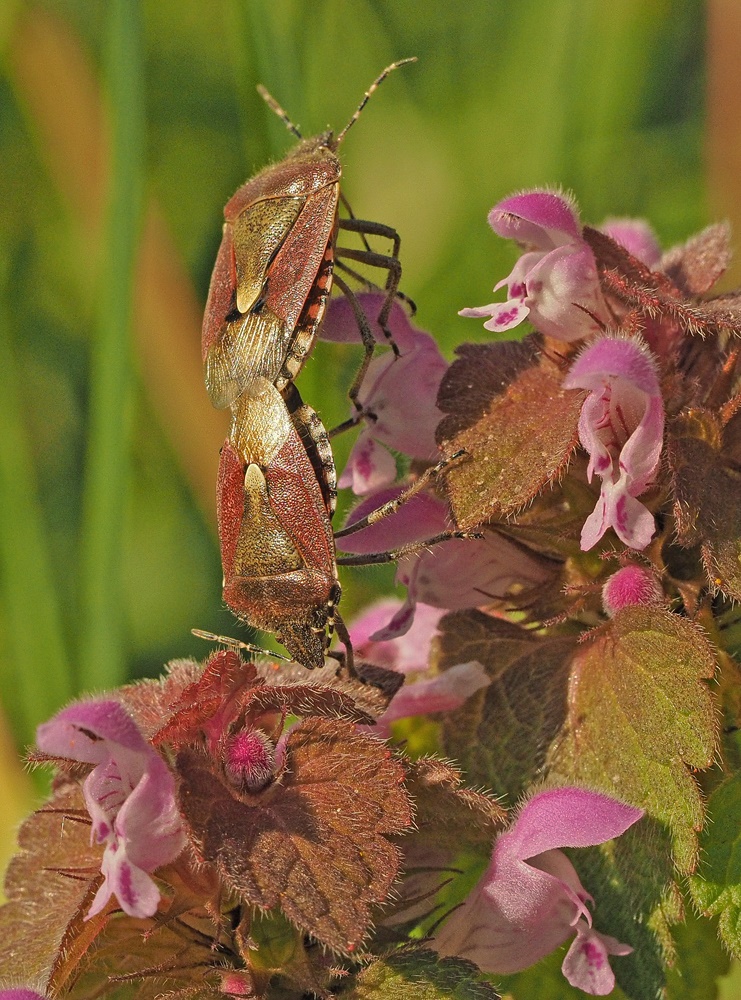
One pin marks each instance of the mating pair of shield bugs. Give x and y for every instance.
(276, 490)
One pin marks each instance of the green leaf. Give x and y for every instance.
(636, 901)
(107, 472)
(639, 717)
(626, 711)
(422, 974)
(729, 987)
(700, 962)
(716, 888)
(495, 396)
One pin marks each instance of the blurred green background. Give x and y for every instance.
(125, 126)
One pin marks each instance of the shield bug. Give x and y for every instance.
(277, 546)
(276, 265)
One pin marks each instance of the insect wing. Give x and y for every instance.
(276, 540)
(272, 275)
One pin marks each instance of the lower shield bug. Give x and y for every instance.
(276, 265)
(277, 546)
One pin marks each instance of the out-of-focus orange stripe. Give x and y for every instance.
(724, 119)
(17, 796)
(55, 79)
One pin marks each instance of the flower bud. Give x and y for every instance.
(630, 585)
(249, 760)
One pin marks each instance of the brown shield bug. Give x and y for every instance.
(273, 509)
(276, 265)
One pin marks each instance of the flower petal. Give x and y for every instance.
(341, 326)
(566, 817)
(370, 467)
(587, 966)
(82, 730)
(537, 218)
(622, 427)
(443, 693)
(638, 238)
(406, 654)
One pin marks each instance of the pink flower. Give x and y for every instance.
(410, 653)
(638, 238)
(130, 795)
(555, 280)
(622, 427)
(530, 898)
(400, 393)
(630, 585)
(455, 574)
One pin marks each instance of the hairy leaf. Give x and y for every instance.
(696, 265)
(495, 397)
(326, 693)
(706, 463)
(150, 702)
(419, 973)
(639, 717)
(654, 295)
(450, 819)
(447, 814)
(716, 887)
(315, 841)
(209, 699)
(501, 734)
(50, 885)
(174, 957)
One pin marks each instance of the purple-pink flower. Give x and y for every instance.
(638, 238)
(410, 654)
(398, 393)
(130, 795)
(455, 574)
(554, 283)
(530, 898)
(622, 427)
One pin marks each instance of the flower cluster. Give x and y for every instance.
(563, 505)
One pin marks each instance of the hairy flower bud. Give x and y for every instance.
(630, 585)
(249, 760)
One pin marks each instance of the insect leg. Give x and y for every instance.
(385, 262)
(373, 287)
(344, 636)
(369, 343)
(393, 505)
(393, 555)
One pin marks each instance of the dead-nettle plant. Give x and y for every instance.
(256, 829)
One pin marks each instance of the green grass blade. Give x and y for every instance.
(36, 678)
(102, 650)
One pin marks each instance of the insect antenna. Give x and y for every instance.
(369, 92)
(278, 110)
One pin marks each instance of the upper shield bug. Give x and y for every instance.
(273, 509)
(276, 264)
